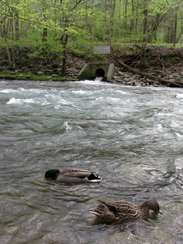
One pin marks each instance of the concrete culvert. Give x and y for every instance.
(99, 73)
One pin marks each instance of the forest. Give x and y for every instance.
(76, 26)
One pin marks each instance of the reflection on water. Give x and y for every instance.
(131, 136)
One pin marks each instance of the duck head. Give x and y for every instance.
(149, 205)
(51, 174)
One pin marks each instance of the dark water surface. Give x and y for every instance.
(131, 136)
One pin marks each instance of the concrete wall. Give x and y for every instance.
(91, 71)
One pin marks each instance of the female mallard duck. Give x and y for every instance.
(72, 176)
(118, 212)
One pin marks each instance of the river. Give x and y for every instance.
(131, 136)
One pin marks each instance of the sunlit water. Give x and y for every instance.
(131, 136)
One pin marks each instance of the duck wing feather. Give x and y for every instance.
(80, 173)
(121, 207)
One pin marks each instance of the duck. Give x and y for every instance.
(72, 175)
(121, 211)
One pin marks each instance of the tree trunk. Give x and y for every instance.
(5, 30)
(11, 57)
(136, 18)
(105, 21)
(145, 20)
(44, 37)
(120, 7)
(175, 28)
(16, 26)
(113, 4)
(132, 18)
(92, 24)
(64, 60)
(125, 16)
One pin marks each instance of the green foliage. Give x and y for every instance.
(39, 77)
(59, 79)
(78, 19)
(23, 22)
(29, 76)
(23, 77)
(176, 60)
(10, 77)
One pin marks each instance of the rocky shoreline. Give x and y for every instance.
(120, 77)
(131, 79)
(164, 63)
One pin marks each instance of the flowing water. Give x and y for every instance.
(131, 136)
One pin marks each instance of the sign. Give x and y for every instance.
(102, 49)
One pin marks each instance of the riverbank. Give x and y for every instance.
(162, 63)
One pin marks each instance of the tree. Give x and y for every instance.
(78, 24)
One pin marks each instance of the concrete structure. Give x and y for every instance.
(91, 71)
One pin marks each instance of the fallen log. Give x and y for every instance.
(152, 77)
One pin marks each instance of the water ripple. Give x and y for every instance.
(131, 136)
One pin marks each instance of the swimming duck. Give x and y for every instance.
(72, 176)
(118, 212)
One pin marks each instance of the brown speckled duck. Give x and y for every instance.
(119, 212)
(72, 176)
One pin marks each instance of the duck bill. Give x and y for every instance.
(96, 180)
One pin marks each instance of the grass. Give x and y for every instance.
(29, 76)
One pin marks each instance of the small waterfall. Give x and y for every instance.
(98, 78)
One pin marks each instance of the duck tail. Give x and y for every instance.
(94, 177)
